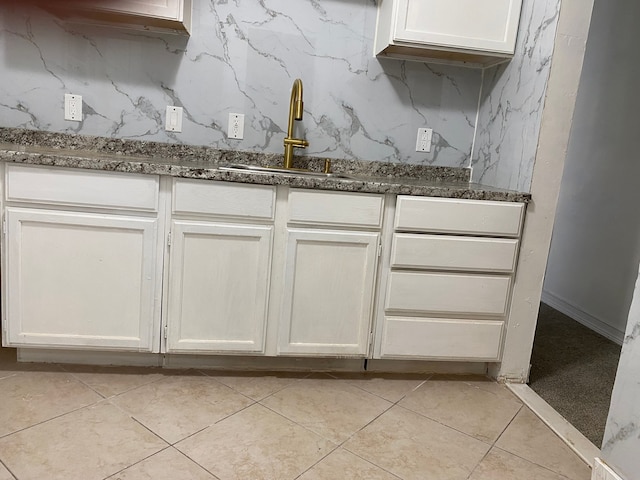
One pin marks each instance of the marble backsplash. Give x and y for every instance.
(242, 57)
(621, 442)
(512, 101)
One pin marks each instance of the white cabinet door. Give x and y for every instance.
(169, 9)
(218, 287)
(489, 26)
(155, 15)
(81, 280)
(328, 292)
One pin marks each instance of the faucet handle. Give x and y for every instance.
(327, 165)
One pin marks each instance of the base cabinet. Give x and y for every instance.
(218, 287)
(80, 280)
(449, 279)
(251, 269)
(328, 292)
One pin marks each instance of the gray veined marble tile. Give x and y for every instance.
(622, 435)
(242, 57)
(512, 100)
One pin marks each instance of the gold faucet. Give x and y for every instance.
(295, 113)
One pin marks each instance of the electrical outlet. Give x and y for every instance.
(423, 142)
(73, 107)
(236, 125)
(173, 121)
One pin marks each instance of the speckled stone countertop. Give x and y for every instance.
(132, 156)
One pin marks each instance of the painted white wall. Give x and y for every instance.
(596, 238)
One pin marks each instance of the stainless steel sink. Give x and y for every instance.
(237, 167)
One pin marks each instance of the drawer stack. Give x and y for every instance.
(449, 288)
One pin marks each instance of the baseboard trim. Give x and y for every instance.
(602, 471)
(583, 317)
(556, 422)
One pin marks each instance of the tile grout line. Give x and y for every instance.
(532, 463)
(73, 374)
(8, 469)
(136, 463)
(272, 393)
(215, 477)
(209, 426)
(2, 437)
(493, 445)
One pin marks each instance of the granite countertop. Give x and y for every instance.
(131, 156)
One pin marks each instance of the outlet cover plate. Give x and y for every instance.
(73, 107)
(236, 126)
(423, 142)
(173, 119)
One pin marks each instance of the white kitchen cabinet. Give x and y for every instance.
(328, 292)
(160, 15)
(478, 33)
(80, 280)
(219, 267)
(449, 280)
(218, 287)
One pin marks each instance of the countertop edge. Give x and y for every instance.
(210, 171)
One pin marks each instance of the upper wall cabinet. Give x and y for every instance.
(476, 33)
(154, 15)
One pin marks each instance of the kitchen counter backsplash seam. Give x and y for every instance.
(134, 156)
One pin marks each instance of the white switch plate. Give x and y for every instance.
(73, 107)
(173, 121)
(423, 142)
(236, 125)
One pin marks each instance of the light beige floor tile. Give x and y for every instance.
(529, 438)
(109, 381)
(255, 444)
(330, 407)
(28, 398)
(178, 406)
(256, 385)
(390, 387)
(5, 474)
(344, 465)
(500, 465)
(168, 464)
(91, 443)
(483, 383)
(464, 406)
(413, 447)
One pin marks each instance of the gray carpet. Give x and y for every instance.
(573, 369)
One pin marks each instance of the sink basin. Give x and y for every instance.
(282, 171)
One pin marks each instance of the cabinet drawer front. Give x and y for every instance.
(456, 294)
(223, 199)
(473, 217)
(437, 338)
(86, 188)
(453, 253)
(335, 208)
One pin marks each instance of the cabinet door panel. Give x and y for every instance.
(81, 280)
(485, 26)
(169, 9)
(329, 282)
(219, 281)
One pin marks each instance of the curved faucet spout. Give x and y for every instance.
(296, 110)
